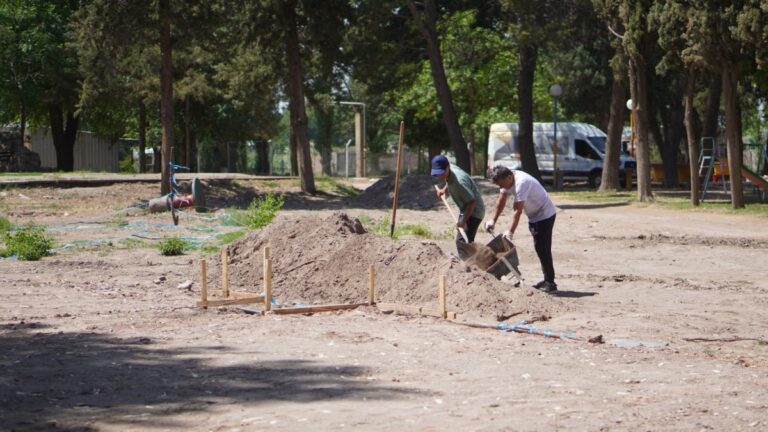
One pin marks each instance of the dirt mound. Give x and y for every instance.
(416, 192)
(319, 261)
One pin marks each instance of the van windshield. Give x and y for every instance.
(598, 142)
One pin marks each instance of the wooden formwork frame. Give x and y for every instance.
(230, 297)
(243, 297)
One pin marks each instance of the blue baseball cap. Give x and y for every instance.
(440, 165)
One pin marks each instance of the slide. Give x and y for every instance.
(754, 178)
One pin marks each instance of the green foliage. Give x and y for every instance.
(172, 246)
(222, 240)
(126, 165)
(5, 225)
(135, 243)
(260, 211)
(30, 243)
(333, 186)
(382, 228)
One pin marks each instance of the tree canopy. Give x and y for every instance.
(205, 77)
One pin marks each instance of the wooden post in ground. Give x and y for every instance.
(224, 272)
(203, 283)
(371, 276)
(267, 280)
(443, 313)
(397, 180)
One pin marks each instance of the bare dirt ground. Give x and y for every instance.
(103, 335)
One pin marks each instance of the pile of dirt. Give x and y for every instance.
(325, 261)
(416, 192)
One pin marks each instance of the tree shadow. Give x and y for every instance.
(62, 381)
(592, 205)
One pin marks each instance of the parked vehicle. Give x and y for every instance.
(580, 150)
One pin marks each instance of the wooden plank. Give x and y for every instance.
(230, 302)
(414, 310)
(313, 309)
(236, 294)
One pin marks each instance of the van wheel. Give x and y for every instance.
(595, 177)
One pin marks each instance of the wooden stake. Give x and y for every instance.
(441, 295)
(224, 272)
(203, 283)
(397, 179)
(371, 276)
(267, 283)
(453, 216)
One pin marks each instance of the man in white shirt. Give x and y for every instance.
(529, 196)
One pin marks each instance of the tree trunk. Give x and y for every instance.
(638, 89)
(693, 139)
(427, 27)
(64, 136)
(23, 125)
(293, 156)
(730, 82)
(472, 165)
(296, 99)
(610, 180)
(166, 93)
(142, 137)
(527, 61)
(187, 133)
(262, 157)
(324, 136)
(712, 109)
(673, 134)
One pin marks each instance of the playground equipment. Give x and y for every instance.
(710, 163)
(174, 201)
(713, 166)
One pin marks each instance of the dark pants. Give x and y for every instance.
(473, 224)
(542, 241)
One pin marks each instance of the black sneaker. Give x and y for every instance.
(539, 285)
(548, 287)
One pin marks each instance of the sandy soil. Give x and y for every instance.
(105, 335)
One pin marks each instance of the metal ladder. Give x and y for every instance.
(708, 159)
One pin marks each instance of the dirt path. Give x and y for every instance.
(101, 337)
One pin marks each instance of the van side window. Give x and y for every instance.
(585, 150)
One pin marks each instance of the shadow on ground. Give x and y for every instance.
(573, 294)
(588, 206)
(62, 381)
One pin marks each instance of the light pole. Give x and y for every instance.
(359, 137)
(555, 91)
(631, 149)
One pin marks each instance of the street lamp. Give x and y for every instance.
(555, 91)
(630, 107)
(359, 137)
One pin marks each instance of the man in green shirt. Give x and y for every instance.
(464, 192)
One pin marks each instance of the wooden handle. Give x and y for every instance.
(453, 216)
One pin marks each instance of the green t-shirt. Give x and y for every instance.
(463, 189)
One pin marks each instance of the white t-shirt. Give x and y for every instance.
(537, 205)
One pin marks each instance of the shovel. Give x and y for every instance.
(453, 217)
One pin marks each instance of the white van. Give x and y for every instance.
(580, 150)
